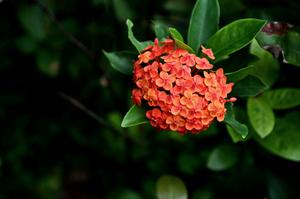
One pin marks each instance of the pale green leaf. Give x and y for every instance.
(170, 187)
(135, 116)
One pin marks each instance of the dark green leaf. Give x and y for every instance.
(33, 21)
(284, 141)
(239, 74)
(239, 128)
(234, 36)
(204, 22)
(121, 61)
(176, 35)
(135, 116)
(283, 98)
(170, 187)
(222, 157)
(161, 30)
(137, 44)
(248, 87)
(235, 137)
(261, 116)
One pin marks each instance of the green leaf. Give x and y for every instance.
(222, 157)
(170, 187)
(283, 98)
(182, 45)
(291, 48)
(286, 44)
(235, 137)
(239, 74)
(239, 128)
(204, 22)
(179, 40)
(261, 116)
(135, 116)
(284, 141)
(248, 87)
(33, 21)
(175, 34)
(160, 29)
(121, 61)
(267, 67)
(234, 36)
(137, 44)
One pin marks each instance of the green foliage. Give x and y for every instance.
(55, 146)
(176, 35)
(284, 141)
(134, 116)
(161, 30)
(179, 40)
(170, 187)
(33, 21)
(239, 128)
(250, 86)
(267, 67)
(283, 98)
(121, 61)
(261, 116)
(137, 44)
(234, 36)
(204, 22)
(286, 44)
(222, 157)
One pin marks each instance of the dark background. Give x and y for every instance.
(61, 106)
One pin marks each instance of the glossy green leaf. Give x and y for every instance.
(121, 61)
(261, 116)
(284, 141)
(175, 34)
(135, 116)
(222, 157)
(267, 67)
(204, 22)
(230, 120)
(248, 87)
(170, 187)
(137, 44)
(283, 98)
(234, 36)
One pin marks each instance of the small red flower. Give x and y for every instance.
(208, 52)
(181, 91)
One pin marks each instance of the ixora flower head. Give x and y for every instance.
(181, 91)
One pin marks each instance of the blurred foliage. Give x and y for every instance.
(61, 106)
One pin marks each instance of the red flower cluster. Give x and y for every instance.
(182, 93)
